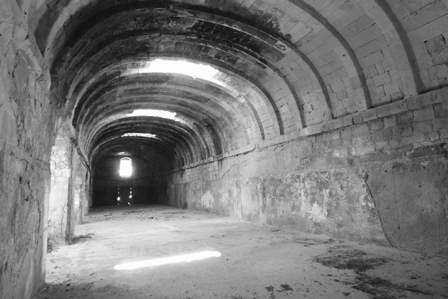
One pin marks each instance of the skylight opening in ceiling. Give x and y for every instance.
(177, 66)
(155, 113)
(142, 135)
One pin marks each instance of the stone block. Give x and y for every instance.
(440, 123)
(338, 123)
(441, 127)
(415, 102)
(369, 115)
(381, 145)
(405, 118)
(361, 130)
(403, 130)
(378, 136)
(376, 125)
(390, 122)
(389, 134)
(391, 109)
(394, 143)
(443, 133)
(346, 135)
(424, 131)
(440, 110)
(313, 130)
(424, 114)
(358, 119)
(2, 169)
(362, 145)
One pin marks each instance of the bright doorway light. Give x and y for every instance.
(125, 169)
(143, 135)
(176, 66)
(183, 258)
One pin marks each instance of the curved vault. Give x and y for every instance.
(274, 68)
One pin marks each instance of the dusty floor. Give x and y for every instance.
(257, 261)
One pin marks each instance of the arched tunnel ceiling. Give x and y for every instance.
(277, 67)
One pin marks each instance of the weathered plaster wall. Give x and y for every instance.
(380, 175)
(79, 188)
(68, 201)
(293, 183)
(59, 207)
(25, 145)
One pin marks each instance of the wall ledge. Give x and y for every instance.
(411, 103)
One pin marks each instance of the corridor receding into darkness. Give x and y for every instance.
(223, 149)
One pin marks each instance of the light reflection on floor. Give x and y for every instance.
(176, 259)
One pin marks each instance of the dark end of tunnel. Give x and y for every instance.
(146, 182)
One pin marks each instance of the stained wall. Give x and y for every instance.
(379, 176)
(26, 134)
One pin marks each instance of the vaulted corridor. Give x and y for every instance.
(320, 117)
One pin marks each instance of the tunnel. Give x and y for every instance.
(234, 135)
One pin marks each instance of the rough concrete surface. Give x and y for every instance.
(26, 129)
(370, 181)
(258, 261)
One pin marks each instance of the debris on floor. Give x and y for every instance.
(255, 261)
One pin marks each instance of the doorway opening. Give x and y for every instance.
(127, 174)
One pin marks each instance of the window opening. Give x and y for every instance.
(125, 169)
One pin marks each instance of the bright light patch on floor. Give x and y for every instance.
(176, 259)
(176, 66)
(143, 135)
(125, 170)
(155, 113)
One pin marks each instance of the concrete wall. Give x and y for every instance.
(58, 208)
(27, 119)
(80, 189)
(68, 201)
(380, 175)
(25, 146)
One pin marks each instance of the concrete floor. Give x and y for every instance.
(257, 261)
